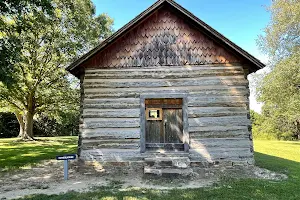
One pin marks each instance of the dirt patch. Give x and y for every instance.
(267, 174)
(47, 178)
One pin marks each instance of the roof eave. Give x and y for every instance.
(218, 35)
(115, 35)
(138, 18)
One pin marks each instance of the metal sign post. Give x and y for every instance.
(66, 159)
(66, 169)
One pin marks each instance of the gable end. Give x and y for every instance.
(164, 35)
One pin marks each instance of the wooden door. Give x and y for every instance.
(165, 132)
(154, 132)
(173, 125)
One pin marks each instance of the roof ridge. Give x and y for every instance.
(147, 12)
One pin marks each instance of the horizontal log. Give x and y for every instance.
(218, 101)
(215, 154)
(115, 103)
(205, 101)
(111, 113)
(175, 89)
(220, 143)
(113, 146)
(111, 123)
(117, 144)
(110, 141)
(217, 128)
(112, 155)
(229, 91)
(137, 83)
(208, 155)
(111, 133)
(131, 133)
(111, 106)
(194, 100)
(163, 74)
(158, 75)
(219, 134)
(112, 101)
(195, 112)
(193, 92)
(163, 68)
(219, 121)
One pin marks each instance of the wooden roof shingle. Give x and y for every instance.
(254, 62)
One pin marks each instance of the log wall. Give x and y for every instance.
(218, 111)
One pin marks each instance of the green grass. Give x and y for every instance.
(279, 156)
(15, 154)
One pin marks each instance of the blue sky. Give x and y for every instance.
(241, 21)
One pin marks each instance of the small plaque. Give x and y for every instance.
(66, 157)
(154, 113)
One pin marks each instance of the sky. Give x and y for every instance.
(241, 21)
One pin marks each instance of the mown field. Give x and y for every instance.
(279, 156)
(15, 154)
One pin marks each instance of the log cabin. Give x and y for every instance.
(166, 87)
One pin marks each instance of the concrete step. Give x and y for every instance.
(176, 171)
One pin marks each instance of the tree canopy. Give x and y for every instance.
(10, 44)
(282, 34)
(280, 89)
(47, 41)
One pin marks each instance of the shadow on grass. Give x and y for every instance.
(293, 143)
(229, 189)
(276, 164)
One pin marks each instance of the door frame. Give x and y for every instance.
(185, 131)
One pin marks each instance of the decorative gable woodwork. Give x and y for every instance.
(162, 39)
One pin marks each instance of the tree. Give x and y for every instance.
(280, 89)
(282, 34)
(280, 92)
(10, 45)
(48, 43)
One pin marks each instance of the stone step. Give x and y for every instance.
(150, 154)
(152, 170)
(161, 162)
(162, 159)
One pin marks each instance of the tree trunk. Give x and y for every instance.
(20, 119)
(298, 128)
(28, 134)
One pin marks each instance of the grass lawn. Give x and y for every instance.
(15, 154)
(278, 156)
